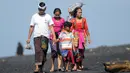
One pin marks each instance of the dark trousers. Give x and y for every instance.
(41, 48)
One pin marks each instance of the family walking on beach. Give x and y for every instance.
(67, 38)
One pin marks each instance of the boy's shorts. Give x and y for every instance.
(68, 56)
(64, 53)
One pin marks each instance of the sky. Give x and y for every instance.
(108, 21)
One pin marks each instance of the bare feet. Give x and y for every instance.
(74, 68)
(52, 69)
(37, 69)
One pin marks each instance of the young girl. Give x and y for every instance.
(66, 45)
(55, 52)
(79, 25)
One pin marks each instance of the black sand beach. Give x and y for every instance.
(92, 62)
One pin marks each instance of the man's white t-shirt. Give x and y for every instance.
(41, 24)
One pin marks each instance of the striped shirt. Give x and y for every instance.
(66, 40)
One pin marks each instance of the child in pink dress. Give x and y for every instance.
(55, 52)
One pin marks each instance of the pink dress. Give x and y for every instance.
(58, 25)
(82, 31)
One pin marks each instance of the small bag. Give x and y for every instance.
(28, 46)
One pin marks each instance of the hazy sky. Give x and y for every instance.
(108, 21)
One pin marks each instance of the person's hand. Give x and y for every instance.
(53, 43)
(54, 40)
(57, 40)
(28, 41)
(89, 41)
(68, 9)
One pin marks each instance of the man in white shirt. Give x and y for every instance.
(40, 24)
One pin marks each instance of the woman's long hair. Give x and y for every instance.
(75, 11)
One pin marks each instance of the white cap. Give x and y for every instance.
(41, 7)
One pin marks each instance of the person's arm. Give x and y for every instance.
(73, 47)
(31, 29)
(63, 21)
(60, 37)
(51, 24)
(30, 33)
(89, 40)
(87, 31)
(53, 33)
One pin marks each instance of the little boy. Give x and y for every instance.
(66, 45)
